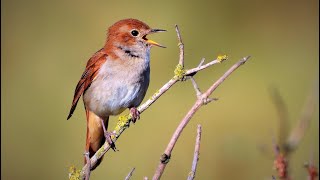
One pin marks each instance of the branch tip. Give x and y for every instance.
(201, 62)
(130, 174)
(178, 34)
(222, 58)
(245, 59)
(181, 47)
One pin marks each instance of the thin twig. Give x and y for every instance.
(201, 62)
(223, 77)
(284, 149)
(304, 121)
(192, 74)
(282, 111)
(130, 174)
(196, 87)
(167, 153)
(181, 47)
(171, 82)
(192, 174)
(193, 70)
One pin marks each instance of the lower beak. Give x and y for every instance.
(153, 42)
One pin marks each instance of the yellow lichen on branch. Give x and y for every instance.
(222, 57)
(179, 72)
(123, 122)
(74, 173)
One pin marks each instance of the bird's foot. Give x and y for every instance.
(108, 136)
(135, 114)
(86, 157)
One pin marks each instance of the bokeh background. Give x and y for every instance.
(45, 45)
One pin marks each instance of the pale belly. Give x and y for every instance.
(111, 93)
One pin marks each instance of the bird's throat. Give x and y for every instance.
(131, 52)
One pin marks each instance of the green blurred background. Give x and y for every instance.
(45, 45)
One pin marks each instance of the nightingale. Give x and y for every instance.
(115, 78)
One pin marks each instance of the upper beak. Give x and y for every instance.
(153, 42)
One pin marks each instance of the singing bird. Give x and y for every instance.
(115, 78)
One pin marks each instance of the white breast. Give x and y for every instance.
(118, 85)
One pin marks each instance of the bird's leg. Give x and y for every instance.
(108, 135)
(135, 114)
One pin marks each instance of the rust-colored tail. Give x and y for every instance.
(95, 135)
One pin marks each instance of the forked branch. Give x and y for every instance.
(202, 100)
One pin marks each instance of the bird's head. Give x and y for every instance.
(131, 33)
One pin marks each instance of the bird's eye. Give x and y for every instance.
(134, 32)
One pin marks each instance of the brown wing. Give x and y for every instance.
(87, 77)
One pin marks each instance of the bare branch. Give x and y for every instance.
(304, 121)
(223, 77)
(196, 88)
(283, 115)
(181, 47)
(167, 153)
(281, 161)
(194, 70)
(201, 62)
(192, 174)
(192, 74)
(130, 174)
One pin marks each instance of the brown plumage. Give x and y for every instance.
(92, 67)
(115, 78)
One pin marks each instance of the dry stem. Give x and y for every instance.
(282, 150)
(201, 101)
(130, 174)
(181, 47)
(192, 174)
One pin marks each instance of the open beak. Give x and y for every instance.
(153, 42)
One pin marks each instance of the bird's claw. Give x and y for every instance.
(108, 135)
(135, 114)
(87, 157)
